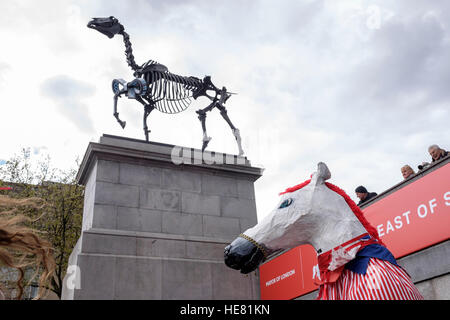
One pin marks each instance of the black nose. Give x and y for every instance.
(229, 258)
(242, 255)
(227, 250)
(233, 258)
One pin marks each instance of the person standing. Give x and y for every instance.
(437, 153)
(363, 195)
(407, 172)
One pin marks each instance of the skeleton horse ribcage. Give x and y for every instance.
(156, 88)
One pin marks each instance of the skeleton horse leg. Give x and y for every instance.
(202, 117)
(116, 114)
(223, 112)
(148, 107)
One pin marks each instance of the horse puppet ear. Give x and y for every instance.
(322, 174)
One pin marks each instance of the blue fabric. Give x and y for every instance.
(361, 261)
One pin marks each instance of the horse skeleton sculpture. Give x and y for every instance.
(156, 88)
(353, 263)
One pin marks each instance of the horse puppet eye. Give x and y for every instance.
(286, 203)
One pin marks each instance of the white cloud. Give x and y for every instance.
(359, 85)
(68, 95)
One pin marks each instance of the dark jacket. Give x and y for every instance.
(369, 196)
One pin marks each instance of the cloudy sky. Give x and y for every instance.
(360, 85)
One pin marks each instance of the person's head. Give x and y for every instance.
(361, 192)
(407, 171)
(434, 151)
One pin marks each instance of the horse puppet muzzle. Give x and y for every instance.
(244, 254)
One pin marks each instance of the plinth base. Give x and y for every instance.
(154, 228)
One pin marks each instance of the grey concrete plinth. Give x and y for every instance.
(156, 220)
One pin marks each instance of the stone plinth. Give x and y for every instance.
(156, 220)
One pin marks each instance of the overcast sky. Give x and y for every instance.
(362, 85)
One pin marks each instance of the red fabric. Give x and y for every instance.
(327, 276)
(382, 281)
(297, 187)
(5, 188)
(324, 259)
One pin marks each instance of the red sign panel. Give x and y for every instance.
(410, 219)
(289, 275)
(416, 216)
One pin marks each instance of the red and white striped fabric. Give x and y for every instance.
(382, 281)
(331, 263)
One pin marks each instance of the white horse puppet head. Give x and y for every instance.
(314, 212)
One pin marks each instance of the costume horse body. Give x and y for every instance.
(353, 262)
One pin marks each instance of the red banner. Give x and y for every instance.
(416, 216)
(289, 275)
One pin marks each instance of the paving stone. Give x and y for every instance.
(116, 194)
(219, 185)
(200, 204)
(160, 199)
(220, 227)
(181, 180)
(139, 175)
(108, 171)
(238, 207)
(182, 223)
(137, 219)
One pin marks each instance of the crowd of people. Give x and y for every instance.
(436, 154)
